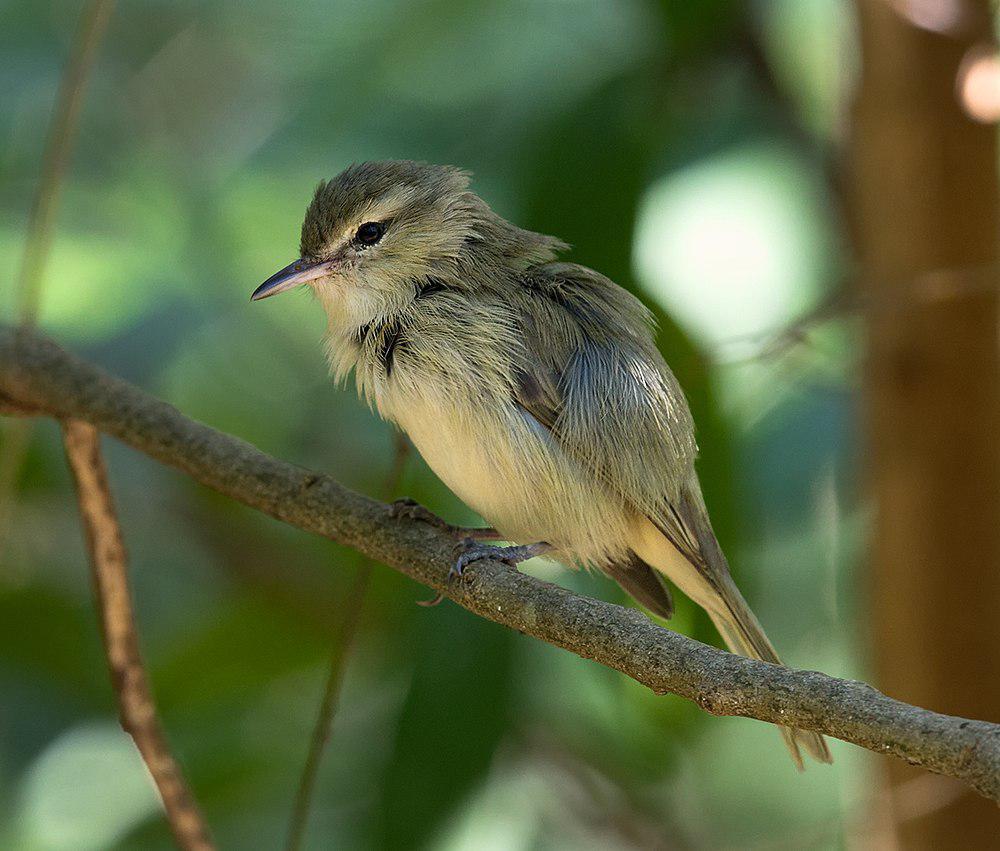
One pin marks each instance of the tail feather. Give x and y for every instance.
(743, 634)
(683, 547)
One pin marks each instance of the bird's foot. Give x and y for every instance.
(410, 509)
(474, 551)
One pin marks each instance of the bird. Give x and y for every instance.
(531, 386)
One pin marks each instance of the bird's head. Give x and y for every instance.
(378, 231)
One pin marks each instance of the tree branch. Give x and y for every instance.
(38, 375)
(109, 566)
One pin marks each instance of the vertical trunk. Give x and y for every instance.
(926, 201)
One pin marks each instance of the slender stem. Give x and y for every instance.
(41, 221)
(351, 608)
(55, 160)
(109, 566)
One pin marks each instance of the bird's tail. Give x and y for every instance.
(743, 634)
(684, 548)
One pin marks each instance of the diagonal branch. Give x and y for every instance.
(109, 565)
(37, 375)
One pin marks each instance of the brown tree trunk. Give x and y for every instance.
(927, 226)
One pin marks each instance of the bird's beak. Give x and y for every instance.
(293, 275)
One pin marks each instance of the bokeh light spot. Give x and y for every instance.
(86, 791)
(733, 246)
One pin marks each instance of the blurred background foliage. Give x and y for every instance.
(683, 148)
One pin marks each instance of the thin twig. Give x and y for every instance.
(38, 375)
(855, 296)
(55, 160)
(351, 608)
(109, 566)
(41, 221)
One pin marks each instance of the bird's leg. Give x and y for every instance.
(474, 551)
(413, 510)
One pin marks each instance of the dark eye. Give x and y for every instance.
(369, 233)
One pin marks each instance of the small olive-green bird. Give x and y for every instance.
(533, 388)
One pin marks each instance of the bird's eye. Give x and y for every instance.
(369, 233)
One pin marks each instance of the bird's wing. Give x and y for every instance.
(591, 374)
(643, 583)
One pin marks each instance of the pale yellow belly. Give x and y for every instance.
(507, 468)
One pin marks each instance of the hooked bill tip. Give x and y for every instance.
(293, 275)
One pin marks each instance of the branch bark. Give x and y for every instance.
(37, 375)
(109, 565)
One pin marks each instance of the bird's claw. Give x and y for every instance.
(410, 509)
(473, 550)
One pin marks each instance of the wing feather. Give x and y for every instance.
(644, 584)
(592, 375)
